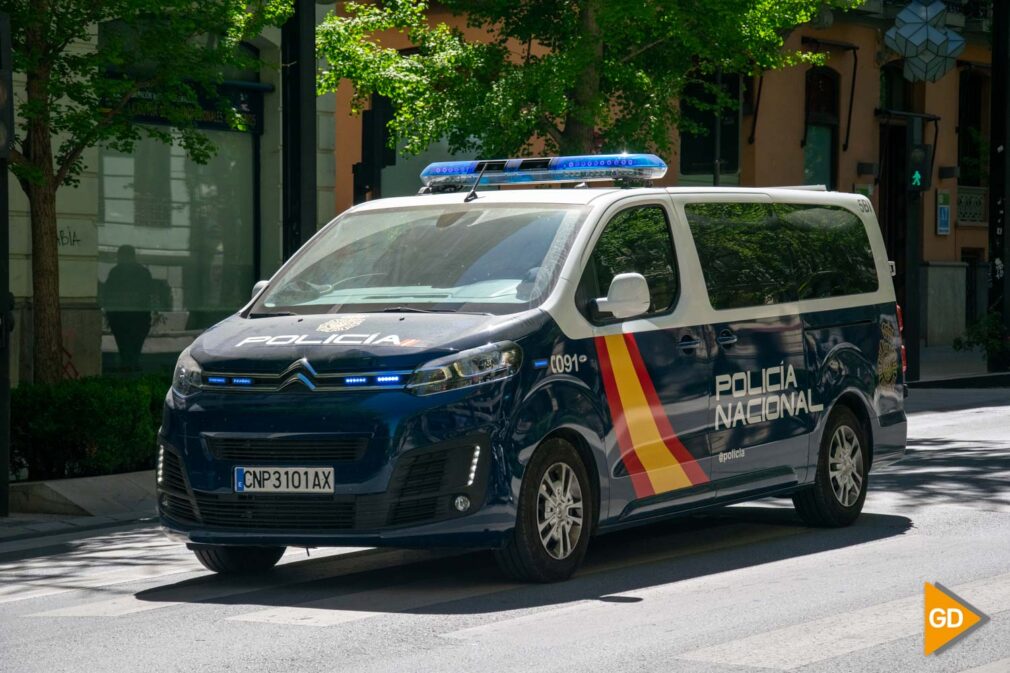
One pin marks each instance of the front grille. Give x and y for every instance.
(171, 473)
(332, 449)
(276, 512)
(178, 507)
(420, 491)
(424, 474)
(413, 511)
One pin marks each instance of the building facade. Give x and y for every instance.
(845, 124)
(190, 240)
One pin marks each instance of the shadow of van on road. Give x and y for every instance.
(470, 583)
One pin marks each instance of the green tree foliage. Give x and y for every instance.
(577, 75)
(91, 67)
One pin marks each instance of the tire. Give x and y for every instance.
(526, 556)
(234, 560)
(835, 500)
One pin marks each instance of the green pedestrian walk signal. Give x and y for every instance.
(920, 167)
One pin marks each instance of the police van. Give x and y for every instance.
(522, 369)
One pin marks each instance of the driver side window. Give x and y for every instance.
(636, 240)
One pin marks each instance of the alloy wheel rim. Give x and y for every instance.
(559, 511)
(845, 466)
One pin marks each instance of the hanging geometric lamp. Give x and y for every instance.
(921, 36)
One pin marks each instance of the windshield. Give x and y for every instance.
(496, 259)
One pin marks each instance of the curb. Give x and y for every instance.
(996, 380)
(64, 528)
(111, 495)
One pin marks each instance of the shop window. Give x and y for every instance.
(820, 139)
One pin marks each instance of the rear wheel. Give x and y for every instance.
(839, 489)
(233, 560)
(554, 519)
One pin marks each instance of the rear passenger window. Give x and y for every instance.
(746, 257)
(636, 240)
(833, 253)
(753, 254)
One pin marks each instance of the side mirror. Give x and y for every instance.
(627, 297)
(258, 287)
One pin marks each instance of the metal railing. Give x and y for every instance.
(973, 205)
(970, 9)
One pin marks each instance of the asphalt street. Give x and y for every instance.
(745, 589)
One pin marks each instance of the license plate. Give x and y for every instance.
(284, 480)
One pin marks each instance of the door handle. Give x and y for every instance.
(688, 343)
(726, 338)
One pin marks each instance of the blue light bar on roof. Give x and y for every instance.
(547, 169)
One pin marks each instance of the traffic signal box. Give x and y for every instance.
(919, 173)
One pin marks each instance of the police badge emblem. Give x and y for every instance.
(340, 324)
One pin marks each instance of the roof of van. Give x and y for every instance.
(593, 195)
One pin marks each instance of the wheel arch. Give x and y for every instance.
(853, 400)
(563, 410)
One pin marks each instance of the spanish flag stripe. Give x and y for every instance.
(639, 479)
(676, 447)
(664, 470)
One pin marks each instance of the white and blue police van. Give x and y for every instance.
(522, 369)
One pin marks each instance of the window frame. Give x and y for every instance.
(590, 249)
(828, 120)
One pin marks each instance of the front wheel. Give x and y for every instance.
(839, 489)
(237, 560)
(555, 517)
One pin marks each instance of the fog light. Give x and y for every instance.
(461, 503)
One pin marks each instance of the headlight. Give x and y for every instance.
(493, 362)
(188, 375)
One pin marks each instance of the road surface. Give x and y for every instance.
(746, 589)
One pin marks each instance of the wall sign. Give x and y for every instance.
(942, 212)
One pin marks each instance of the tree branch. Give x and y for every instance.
(17, 158)
(552, 130)
(85, 142)
(644, 48)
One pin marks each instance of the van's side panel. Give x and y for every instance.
(854, 351)
(758, 433)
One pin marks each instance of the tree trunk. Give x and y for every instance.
(46, 317)
(579, 134)
(41, 192)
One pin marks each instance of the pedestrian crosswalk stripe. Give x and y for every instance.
(803, 644)
(362, 605)
(1001, 666)
(339, 562)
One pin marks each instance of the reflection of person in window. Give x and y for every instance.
(127, 302)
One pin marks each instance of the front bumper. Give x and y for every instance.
(417, 510)
(395, 485)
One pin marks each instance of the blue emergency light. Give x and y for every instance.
(542, 170)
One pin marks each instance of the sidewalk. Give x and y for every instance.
(921, 400)
(943, 362)
(20, 526)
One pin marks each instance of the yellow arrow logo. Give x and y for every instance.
(948, 618)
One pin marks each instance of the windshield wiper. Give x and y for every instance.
(267, 314)
(411, 309)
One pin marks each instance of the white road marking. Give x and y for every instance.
(211, 590)
(1001, 666)
(361, 605)
(518, 629)
(804, 644)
